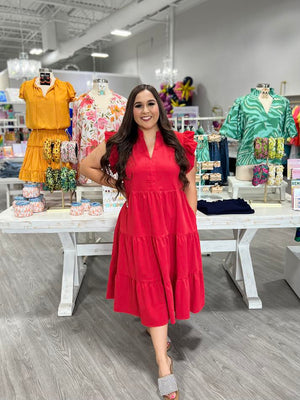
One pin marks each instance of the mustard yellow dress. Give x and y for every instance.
(48, 117)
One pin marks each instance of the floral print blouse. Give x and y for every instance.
(90, 123)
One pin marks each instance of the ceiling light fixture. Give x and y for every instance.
(121, 32)
(22, 67)
(36, 52)
(166, 74)
(100, 55)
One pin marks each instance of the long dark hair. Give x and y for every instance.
(127, 136)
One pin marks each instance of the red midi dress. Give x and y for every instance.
(156, 267)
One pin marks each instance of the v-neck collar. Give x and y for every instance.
(256, 94)
(141, 135)
(50, 88)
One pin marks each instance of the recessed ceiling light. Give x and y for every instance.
(120, 32)
(101, 55)
(35, 51)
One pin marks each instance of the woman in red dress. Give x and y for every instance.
(156, 268)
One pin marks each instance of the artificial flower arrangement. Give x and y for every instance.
(178, 95)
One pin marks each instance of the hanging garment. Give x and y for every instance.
(214, 153)
(90, 123)
(296, 115)
(202, 150)
(48, 116)
(224, 154)
(156, 268)
(248, 119)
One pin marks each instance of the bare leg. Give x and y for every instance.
(159, 336)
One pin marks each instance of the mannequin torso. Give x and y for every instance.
(265, 99)
(245, 172)
(101, 93)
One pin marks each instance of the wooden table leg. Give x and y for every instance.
(240, 268)
(73, 273)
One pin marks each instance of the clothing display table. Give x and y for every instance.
(234, 185)
(292, 268)
(12, 187)
(238, 262)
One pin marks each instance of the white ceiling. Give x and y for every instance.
(22, 23)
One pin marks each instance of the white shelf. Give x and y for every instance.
(293, 98)
(13, 159)
(13, 103)
(13, 126)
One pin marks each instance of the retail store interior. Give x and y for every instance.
(226, 70)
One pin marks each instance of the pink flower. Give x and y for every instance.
(91, 115)
(91, 146)
(177, 89)
(101, 123)
(86, 101)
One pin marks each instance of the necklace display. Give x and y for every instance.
(265, 93)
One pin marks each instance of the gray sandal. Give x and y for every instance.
(167, 384)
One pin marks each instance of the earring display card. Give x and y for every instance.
(112, 201)
(45, 78)
(296, 197)
(292, 163)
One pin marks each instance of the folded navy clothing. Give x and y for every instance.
(230, 206)
(10, 169)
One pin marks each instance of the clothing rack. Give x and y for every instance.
(181, 121)
(208, 135)
(199, 119)
(174, 122)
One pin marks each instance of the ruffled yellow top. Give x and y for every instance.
(50, 111)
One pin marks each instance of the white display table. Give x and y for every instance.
(238, 262)
(235, 185)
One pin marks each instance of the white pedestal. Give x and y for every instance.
(88, 188)
(292, 268)
(234, 185)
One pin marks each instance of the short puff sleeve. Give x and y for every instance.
(114, 155)
(22, 91)
(71, 92)
(187, 141)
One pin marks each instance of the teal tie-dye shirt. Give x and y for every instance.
(248, 119)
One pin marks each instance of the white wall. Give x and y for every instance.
(139, 55)
(4, 80)
(227, 46)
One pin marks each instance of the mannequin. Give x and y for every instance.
(47, 115)
(94, 112)
(101, 93)
(245, 172)
(45, 80)
(261, 113)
